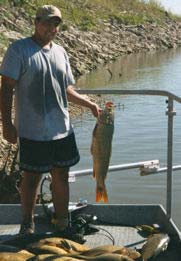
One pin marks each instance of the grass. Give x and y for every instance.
(3, 39)
(89, 14)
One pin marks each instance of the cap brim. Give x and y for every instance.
(46, 18)
(50, 16)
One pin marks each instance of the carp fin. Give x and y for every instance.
(95, 128)
(93, 137)
(101, 195)
(94, 174)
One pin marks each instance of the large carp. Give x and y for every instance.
(155, 244)
(22, 255)
(101, 149)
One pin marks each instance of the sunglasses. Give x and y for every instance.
(52, 21)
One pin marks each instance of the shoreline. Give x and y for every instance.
(87, 50)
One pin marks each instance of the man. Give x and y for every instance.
(39, 72)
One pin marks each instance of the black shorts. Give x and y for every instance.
(42, 156)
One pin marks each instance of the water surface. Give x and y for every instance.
(140, 129)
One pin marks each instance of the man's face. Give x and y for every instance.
(47, 29)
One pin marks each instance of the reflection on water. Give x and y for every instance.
(147, 69)
(140, 129)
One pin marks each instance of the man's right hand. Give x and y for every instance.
(10, 133)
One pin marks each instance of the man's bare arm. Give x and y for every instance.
(79, 99)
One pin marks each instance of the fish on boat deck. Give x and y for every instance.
(121, 250)
(19, 256)
(56, 248)
(66, 244)
(41, 248)
(154, 245)
(101, 148)
(49, 257)
(61, 246)
(104, 257)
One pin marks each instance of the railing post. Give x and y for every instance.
(170, 113)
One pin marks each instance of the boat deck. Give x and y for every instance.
(107, 235)
(116, 224)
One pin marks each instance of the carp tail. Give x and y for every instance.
(101, 194)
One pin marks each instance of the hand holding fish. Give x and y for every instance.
(96, 110)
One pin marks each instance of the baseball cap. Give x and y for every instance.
(45, 12)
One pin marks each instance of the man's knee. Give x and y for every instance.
(32, 178)
(60, 173)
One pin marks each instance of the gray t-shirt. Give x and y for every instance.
(40, 95)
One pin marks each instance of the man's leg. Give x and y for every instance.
(29, 189)
(60, 195)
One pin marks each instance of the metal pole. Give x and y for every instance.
(170, 113)
(135, 165)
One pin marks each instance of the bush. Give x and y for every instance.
(86, 23)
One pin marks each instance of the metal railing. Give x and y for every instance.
(170, 113)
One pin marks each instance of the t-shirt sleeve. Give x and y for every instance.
(11, 64)
(69, 76)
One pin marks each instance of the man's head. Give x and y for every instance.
(46, 12)
(47, 21)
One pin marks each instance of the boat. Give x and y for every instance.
(116, 224)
